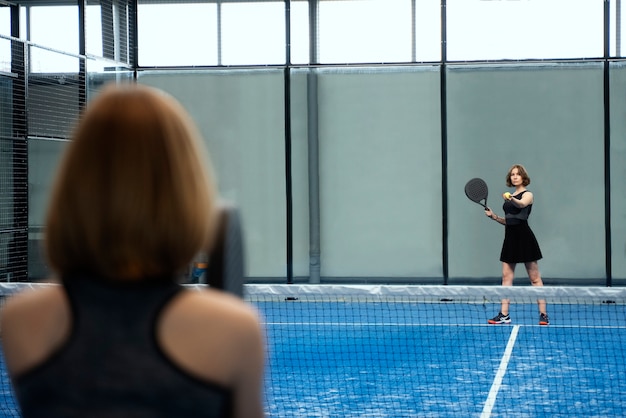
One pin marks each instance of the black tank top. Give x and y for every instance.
(515, 215)
(112, 365)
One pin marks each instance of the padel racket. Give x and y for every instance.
(476, 190)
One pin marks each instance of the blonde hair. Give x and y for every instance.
(522, 172)
(133, 196)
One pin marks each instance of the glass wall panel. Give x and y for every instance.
(379, 172)
(241, 116)
(493, 30)
(54, 98)
(53, 103)
(43, 159)
(618, 172)
(550, 119)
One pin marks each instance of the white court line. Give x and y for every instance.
(416, 325)
(497, 382)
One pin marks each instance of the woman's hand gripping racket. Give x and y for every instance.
(476, 190)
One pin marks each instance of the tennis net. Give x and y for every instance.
(406, 351)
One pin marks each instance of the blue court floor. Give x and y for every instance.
(347, 359)
(438, 360)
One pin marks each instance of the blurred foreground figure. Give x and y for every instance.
(133, 202)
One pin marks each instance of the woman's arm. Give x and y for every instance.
(527, 199)
(489, 213)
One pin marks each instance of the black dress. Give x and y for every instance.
(520, 244)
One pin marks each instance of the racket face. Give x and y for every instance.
(476, 190)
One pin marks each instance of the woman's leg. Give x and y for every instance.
(532, 268)
(508, 273)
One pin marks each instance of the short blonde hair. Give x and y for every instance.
(522, 172)
(134, 196)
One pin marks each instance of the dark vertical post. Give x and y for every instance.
(607, 145)
(287, 104)
(444, 144)
(133, 38)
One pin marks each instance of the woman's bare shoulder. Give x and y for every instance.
(209, 303)
(33, 323)
(212, 334)
(30, 305)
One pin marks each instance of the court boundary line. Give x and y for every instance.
(408, 324)
(497, 381)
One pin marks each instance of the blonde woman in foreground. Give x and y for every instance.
(132, 203)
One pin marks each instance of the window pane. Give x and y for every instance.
(93, 31)
(428, 30)
(55, 27)
(5, 55)
(299, 32)
(353, 31)
(47, 61)
(5, 20)
(5, 44)
(489, 30)
(107, 30)
(177, 34)
(618, 14)
(253, 33)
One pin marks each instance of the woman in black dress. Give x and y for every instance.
(520, 244)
